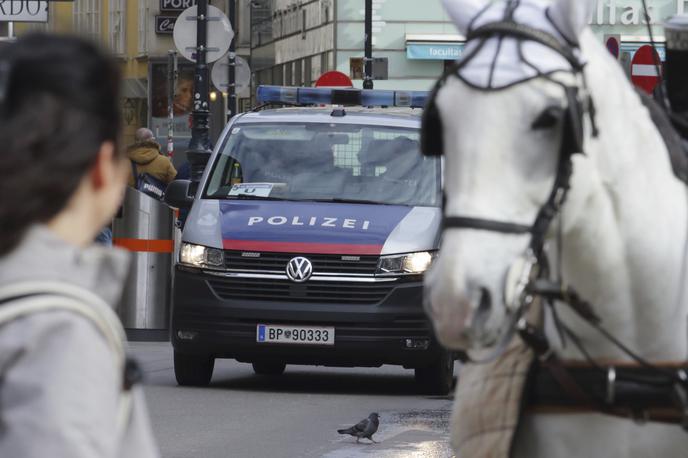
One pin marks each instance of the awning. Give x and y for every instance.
(632, 46)
(434, 47)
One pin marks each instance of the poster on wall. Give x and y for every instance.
(182, 102)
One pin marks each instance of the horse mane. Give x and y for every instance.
(627, 130)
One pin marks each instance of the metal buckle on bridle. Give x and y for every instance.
(518, 278)
(611, 386)
(535, 339)
(559, 197)
(682, 396)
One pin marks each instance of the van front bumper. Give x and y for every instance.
(208, 319)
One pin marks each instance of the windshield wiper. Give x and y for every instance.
(245, 197)
(352, 201)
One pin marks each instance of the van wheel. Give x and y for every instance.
(193, 370)
(269, 368)
(437, 378)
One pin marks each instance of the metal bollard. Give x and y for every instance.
(145, 227)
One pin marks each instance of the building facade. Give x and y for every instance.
(139, 34)
(293, 42)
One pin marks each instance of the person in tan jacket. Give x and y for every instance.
(145, 154)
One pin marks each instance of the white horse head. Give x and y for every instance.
(498, 165)
(623, 225)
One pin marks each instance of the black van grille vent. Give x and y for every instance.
(322, 263)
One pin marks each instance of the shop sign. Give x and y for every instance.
(434, 51)
(23, 11)
(165, 24)
(176, 5)
(631, 13)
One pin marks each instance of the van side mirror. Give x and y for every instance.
(177, 194)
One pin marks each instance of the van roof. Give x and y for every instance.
(393, 116)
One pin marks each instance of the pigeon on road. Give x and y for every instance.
(364, 428)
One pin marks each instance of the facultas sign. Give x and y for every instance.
(176, 5)
(165, 24)
(23, 11)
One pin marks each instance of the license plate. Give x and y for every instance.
(301, 335)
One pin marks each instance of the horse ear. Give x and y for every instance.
(463, 11)
(570, 17)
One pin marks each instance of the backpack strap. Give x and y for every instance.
(26, 298)
(134, 171)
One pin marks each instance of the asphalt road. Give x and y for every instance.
(294, 415)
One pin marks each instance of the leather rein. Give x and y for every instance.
(640, 390)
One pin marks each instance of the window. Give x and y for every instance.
(117, 25)
(323, 63)
(325, 11)
(356, 68)
(307, 71)
(288, 73)
(143, 28)
(86, 17)
(244, 27)
(303, 23)
(298, 72)
(277, 75)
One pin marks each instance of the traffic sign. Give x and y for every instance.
(613, 43)
(644, 72)
(242, 76)
(220, 34)
(334, 79)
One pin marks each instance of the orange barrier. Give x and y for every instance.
(143, 245)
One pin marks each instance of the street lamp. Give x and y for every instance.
(368, 52)
(231, 79)
(199, 152)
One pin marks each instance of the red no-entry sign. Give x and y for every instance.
(644, 72)
(334, 79)
(613, 43)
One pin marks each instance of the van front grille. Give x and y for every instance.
(328, 292)
(322, 263)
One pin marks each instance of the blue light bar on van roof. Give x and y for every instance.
(343, 96)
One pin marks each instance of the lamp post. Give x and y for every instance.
(199, 152)
(231, 80)
(368, 51)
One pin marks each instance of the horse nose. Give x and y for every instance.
(484, 308)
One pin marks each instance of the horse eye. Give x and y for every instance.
(548, 118)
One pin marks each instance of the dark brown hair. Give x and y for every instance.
(58, 104)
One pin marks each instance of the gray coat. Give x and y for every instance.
(59, 381)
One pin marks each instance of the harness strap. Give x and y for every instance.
(635, 390)
(631, 392)
(463, 222)
(534, 338)
(27, 298)
(516, 30)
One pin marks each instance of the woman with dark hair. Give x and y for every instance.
(65, 386)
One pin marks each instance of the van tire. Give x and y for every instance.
(437, 378)
(269, 368)
(193, 370)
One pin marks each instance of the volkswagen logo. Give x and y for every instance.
(299, 269)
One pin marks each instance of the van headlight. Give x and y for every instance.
(200, 256)
(411, 264)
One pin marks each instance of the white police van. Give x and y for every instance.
(308, 238)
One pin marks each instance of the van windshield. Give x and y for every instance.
(326, 162)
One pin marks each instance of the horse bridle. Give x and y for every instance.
(572, 141)
(534, 281)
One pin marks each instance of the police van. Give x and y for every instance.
(308, 237)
